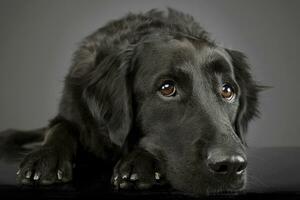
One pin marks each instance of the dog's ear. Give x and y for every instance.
(248, 107)
(107, 94)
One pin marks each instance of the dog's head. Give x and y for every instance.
(187, 102)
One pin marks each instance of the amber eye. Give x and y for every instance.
(227, 92)
(168, 89)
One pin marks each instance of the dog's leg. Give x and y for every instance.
(51, 163)
(137, 170)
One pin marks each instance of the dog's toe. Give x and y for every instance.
(136, 171)
(44, 167)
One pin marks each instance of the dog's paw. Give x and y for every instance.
(138, 170)
(45, 166)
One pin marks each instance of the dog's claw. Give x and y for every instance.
(36, 176)
(18, 172)
(28, 174)
(116, 178)
(157, 176)
(59, 174)
(125, 176)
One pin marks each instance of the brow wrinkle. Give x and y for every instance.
(215, 60)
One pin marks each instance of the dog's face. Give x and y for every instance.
(187, 101)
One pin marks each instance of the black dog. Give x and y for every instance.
(154, 94)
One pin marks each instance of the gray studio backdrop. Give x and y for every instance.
(37, 38)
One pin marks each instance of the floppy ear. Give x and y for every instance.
(248, 107)
(107, 94)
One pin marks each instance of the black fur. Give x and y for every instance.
(111, 106)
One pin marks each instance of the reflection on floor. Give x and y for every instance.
(272, 172)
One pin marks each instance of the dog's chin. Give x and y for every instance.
(227, 189)
(220, 190)
(213, 186)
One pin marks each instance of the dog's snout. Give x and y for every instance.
(226, 164)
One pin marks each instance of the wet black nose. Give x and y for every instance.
(227, 164)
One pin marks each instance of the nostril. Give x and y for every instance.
(220, 168)
(227, 165)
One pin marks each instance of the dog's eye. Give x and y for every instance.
(168, 89)
(227, 92)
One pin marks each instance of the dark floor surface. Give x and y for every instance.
(273, 173)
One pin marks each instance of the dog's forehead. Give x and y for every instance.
(163, 51)
(159, 56)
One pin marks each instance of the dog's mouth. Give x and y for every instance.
(232, 186)
(221, 190)
(228, 188)
(209, 184)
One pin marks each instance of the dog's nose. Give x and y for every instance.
(227, 164)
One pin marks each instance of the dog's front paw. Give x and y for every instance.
(137, 170)
(45, 166)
